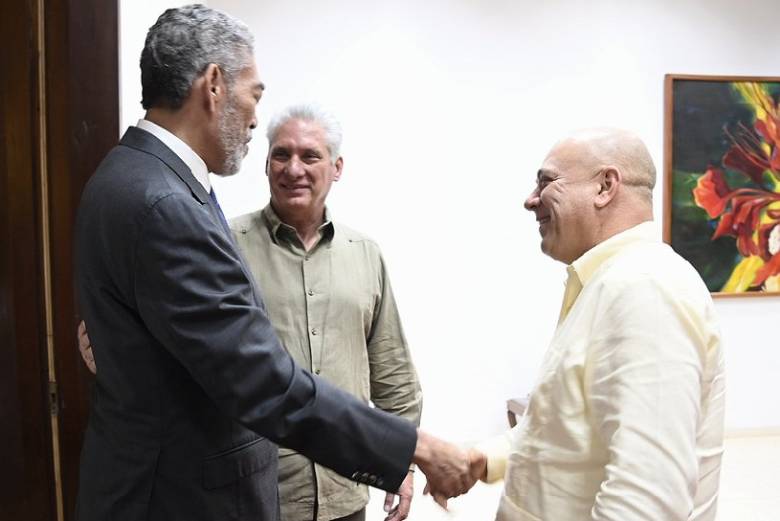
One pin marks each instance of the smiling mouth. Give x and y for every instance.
(543, 224)
(295, 188)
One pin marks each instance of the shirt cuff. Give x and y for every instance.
(497, 452)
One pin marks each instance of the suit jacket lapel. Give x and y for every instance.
(146, 142)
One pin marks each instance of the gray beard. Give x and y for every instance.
(232, 140)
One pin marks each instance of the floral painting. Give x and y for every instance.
(722, 200)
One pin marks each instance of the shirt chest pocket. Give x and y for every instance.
(353, 299)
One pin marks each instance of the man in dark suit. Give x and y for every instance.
(192, 377)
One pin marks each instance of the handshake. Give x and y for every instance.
(450, 471)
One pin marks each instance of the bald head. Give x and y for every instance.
(605, 147)
(592, 185)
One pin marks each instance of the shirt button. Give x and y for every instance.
(314, 331)
(306, 258)
(310, 292)
(316, 371)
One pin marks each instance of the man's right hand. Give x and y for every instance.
(450, 471)
(85, 348)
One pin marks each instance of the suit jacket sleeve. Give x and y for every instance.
(195, 296)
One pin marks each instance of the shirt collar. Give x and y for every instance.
(280, 229)
(196, 165)
(590, 261)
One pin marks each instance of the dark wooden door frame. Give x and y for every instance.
(57, 122)
(27, 488)
(82, 79)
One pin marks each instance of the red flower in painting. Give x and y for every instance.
(711, 192)
(743, 218)
(747, 155)
(771, 133)
(749, 214)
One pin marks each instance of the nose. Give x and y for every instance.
(532, 201)
(294, 167)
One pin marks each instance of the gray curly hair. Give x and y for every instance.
(182, 43)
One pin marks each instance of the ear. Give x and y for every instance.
(213, 86)
(339, 167)
(610, 182)
(267, 162)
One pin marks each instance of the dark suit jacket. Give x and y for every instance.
(190, 370)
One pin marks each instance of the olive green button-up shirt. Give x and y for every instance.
(334, 311)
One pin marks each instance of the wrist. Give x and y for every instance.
(478, 464)
(422, 451)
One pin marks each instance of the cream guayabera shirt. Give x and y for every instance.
(626, 419)
(334, 311)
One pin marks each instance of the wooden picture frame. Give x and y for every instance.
(722, 179)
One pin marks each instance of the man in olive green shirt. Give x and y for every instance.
(329, 298)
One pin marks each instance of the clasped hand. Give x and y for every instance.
(450, 470)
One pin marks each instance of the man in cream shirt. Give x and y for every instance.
(625, 421)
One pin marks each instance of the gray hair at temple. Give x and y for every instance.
(182, 43)
(312, 113)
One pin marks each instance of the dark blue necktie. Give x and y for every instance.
(219, 212)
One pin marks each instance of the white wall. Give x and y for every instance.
(448, 109)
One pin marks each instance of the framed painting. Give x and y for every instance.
(722, 180)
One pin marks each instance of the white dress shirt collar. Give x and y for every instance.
(181, 149)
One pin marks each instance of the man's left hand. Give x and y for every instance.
(405, 493)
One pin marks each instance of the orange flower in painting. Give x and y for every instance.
(712, 192)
